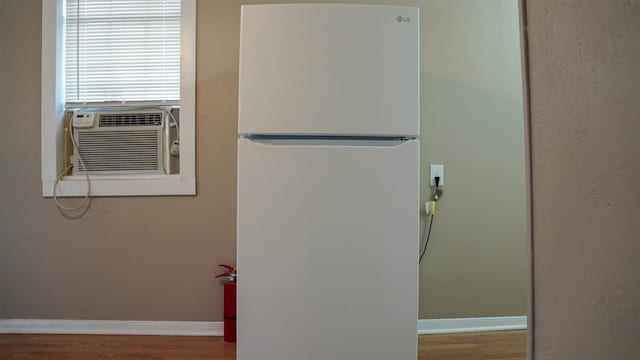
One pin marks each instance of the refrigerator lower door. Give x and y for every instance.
(327, 251)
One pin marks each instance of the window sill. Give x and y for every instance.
(122, 185)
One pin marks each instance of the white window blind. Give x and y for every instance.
(122, 50)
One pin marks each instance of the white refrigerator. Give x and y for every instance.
(328, 182)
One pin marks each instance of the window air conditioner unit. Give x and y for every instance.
(120, 142)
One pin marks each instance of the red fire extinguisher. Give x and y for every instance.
(230, 275)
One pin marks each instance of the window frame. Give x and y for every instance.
(52, 109)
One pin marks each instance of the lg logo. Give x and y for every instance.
(402, 19)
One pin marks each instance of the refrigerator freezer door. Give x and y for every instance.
(327, 251)
(327, 69)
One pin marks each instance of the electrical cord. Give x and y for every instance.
(175, 122)
(424, 250)
(175, 141)
(87, 198)
(436, 197)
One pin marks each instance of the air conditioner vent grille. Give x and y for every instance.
(131, 119)
(120, 151)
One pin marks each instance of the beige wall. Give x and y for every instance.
(153, 258)
(473, 123)
(144, 258)
(585, 116)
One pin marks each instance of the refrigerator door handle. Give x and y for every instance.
(329, 141)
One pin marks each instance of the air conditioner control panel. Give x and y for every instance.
(83, 120)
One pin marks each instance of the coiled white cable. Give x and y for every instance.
(87, 198)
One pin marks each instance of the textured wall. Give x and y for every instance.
(585, 107)
(152, 258)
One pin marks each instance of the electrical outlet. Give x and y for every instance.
(437, 170)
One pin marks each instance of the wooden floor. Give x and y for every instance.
(500, 345)
(504, 345)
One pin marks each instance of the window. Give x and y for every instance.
(124, 55)
(122, 50)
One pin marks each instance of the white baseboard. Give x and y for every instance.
(448, 326)
(111, 327)
(215, 328)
